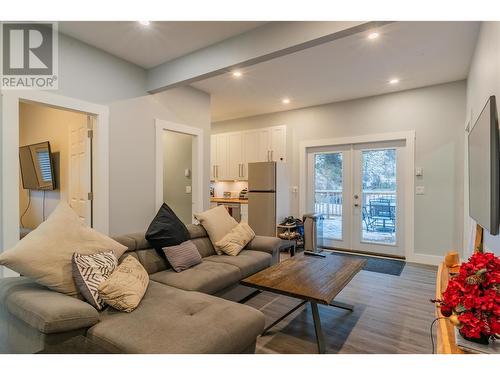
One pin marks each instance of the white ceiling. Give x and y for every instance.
(418, 53)
(155, 44)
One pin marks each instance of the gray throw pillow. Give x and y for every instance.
(89, 271)
(182, 256)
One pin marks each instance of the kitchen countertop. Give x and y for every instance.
(228, 200)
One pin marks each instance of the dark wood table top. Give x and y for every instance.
(308, 278)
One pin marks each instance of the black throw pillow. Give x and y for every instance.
(166, 229)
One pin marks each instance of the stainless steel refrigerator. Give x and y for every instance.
(268, 196)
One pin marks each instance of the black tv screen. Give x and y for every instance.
(37, 169)
(484, 169)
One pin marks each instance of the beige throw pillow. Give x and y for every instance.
(217, 222)
(45, 254)
(236, 240)
(126, 286)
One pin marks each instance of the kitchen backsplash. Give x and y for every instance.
(233, 186)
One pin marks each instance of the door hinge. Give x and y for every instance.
(90, 196)
(90, 133)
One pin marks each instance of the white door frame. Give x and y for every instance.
(10, 157)
(409, 181)
(197, 160)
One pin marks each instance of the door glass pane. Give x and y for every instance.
(328, 192)
(379, 198)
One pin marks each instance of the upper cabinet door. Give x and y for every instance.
(264, 145)
(235, 156)
(221, 156)
(213, 156)
(278, 143)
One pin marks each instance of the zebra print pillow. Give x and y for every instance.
(89, 271)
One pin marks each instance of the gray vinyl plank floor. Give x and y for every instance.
(392, 314)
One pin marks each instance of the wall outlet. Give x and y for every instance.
(188, 189)
(419, 190)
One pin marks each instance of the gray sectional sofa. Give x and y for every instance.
(187, 312)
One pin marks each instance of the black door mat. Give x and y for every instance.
(380, 265)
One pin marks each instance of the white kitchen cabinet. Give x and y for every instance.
(235, 156)
(231, 152)
(213, 156)
(278, 143)
(219, 157)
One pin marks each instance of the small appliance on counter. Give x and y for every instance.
(244, 194)
(226, 194)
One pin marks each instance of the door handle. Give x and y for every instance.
(356, 205)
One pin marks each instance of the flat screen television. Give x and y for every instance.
(37, 168)
(484, 169)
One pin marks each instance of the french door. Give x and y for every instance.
(358, 188)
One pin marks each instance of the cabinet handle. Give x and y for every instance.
(242, 170)
(268, 158)
(272, 152)
(216, 171)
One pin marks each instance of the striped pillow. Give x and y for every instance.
(182, 256)
(91, 270)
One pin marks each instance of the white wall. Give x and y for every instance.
(39, 123)
(483, 81)
(132, 152)
(436, 113)
(177, 157)
(91, 74)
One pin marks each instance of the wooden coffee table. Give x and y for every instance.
(311, 279)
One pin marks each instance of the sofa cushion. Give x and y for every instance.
(236, 240)
(43, 309)
(206, 277)
(248, 261)
(179, 322)
(126, 286)
(166, 229)
(217, 222)
(183, 256)
(89, 271)
(45, 253)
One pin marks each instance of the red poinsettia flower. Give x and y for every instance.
(474, 296)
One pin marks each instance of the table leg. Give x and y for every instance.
(282, 317)
(292, 250)
(317, 327)
(342, 305)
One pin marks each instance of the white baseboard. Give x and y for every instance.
(433, 260)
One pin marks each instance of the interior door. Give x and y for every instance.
(80, 169)
(330, 192)
(378, 198)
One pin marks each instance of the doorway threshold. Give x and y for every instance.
(365, 253)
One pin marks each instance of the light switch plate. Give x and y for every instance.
(188, 189)
(419, 171)
(419, 190)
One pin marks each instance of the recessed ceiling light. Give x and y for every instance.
(237, 74)
(285, 101)
(394, 81)
(372, 36)
(145, 23)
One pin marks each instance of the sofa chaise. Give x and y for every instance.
(188, 312)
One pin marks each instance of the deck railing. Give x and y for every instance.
(329, 202)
